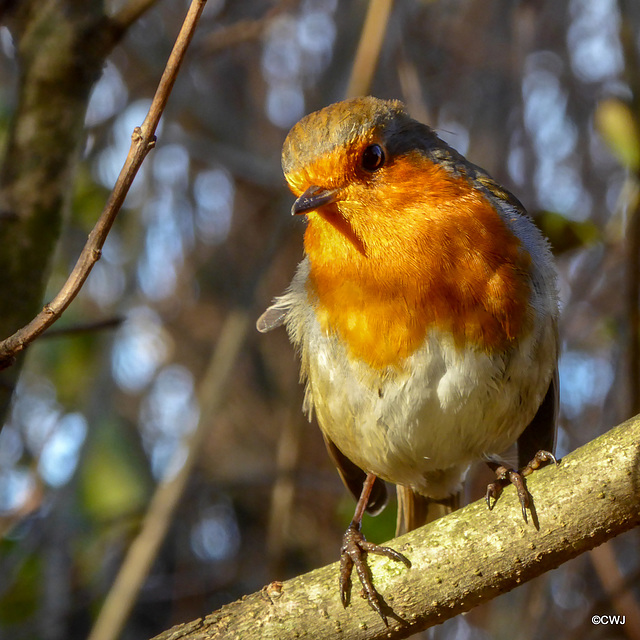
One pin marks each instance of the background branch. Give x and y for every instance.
(613, 581)
(632, 235)
(143, 550)
(167, 496)
(243, 30)
(86, 327)
(458, 562)
(369, 46)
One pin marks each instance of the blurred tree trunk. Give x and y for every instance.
(60, 50)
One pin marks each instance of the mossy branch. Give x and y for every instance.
(459, 561)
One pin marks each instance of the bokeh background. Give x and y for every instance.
(157, 364)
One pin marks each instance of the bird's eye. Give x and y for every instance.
(372, 157)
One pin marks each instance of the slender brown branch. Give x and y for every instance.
(142, 141)
(459, 561)
(283, 490)
(85, 327)
(633, 302)
(632, 72)
(371, 39)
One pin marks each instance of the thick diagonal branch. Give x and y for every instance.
(459, 561)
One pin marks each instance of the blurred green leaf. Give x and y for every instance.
(22, 599)
(113, 482)
(618, 127)
(89, 198)
(566, 234)
(72, 363)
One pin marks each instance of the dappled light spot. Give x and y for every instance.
(141, 346)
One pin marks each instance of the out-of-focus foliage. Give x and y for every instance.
(618, 126)
(542, 94)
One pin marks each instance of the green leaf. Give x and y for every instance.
(113, 479)
(618, 127)
(566, 234)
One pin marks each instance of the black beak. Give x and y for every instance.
(313, 198)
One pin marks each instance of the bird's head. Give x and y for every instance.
(367, 169)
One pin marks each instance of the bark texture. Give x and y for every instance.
(459, 561)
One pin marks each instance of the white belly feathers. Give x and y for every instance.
(423, 428)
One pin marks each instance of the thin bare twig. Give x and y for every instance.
(142, 141)
(632, 72)
(284, 487)
(143, 550)
(86, 327)
(371, 39)
(633, 303)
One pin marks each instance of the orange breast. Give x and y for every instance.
(414, 255)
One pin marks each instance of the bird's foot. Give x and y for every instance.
(353, 553)
(506, 476)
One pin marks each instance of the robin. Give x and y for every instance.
(425, 313)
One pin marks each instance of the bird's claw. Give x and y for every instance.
(538, 460)
(353, 553)
(505, 476)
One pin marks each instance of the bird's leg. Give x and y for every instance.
(505, 476)
(354, 550)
